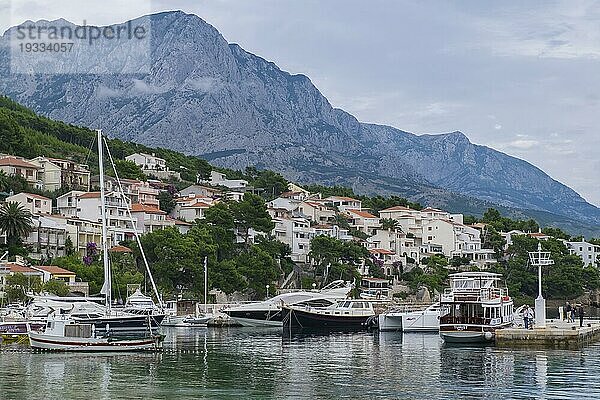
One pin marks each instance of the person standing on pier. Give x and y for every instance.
(580, 314)
(528, 317)
(568, 311)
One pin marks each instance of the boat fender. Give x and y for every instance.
(488, 335)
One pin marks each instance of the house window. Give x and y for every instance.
(429, 237)
(429, 228)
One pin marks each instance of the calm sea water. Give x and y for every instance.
(259, 364)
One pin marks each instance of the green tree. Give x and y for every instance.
(556, 233)
(17, 285)
(56, 287)
(251, 212)
(69, 247)
(128, 170)
(15, 221)
(272, 183)
(259, 269)
(166, 201)
(389, 224)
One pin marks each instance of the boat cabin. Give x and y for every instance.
(476, 298)
(374, 288)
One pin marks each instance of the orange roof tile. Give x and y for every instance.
(16, 162)
(199, 204)
(137, 207)
(54, 270)
(363, 214)
(19, 269)
(381, 251)
(398, 208)
(89, 195)
(343, 198)
(120, 249)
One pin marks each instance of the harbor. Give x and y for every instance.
(262, 364)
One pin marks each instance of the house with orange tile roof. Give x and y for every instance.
(136, 191)
(363, 221)
(34, 203)
(343, 203)
(50, 272)
(149, 218)
(18, 166)
(192, 211)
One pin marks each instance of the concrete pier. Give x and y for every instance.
(556, 334)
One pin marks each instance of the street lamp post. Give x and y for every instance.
(267, 290)
(540, 259)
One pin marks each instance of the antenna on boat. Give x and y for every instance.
(107, 287)
(133, 226)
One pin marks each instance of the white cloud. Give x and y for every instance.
(497, 127)
(564, 30)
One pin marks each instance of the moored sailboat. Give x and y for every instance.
(105, 329)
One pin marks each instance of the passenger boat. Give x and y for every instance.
(405, 319)
(63, 333)
(475, 306)
(345, 316)
(268, 313)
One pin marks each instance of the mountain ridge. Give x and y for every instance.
(207, 97)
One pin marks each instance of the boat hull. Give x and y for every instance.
(124, 325)
(40, 341)
(467, 337)
(256, 318)
(409, 322)
(295, 319)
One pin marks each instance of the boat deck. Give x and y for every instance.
(557, 334)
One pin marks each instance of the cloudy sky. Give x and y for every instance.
(521, 77)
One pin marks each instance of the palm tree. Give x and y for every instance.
(15, 221)
(389, 224)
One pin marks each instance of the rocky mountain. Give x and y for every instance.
(200, 95)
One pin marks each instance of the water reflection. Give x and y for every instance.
(234, 363)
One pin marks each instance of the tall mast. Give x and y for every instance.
(205, 282)
(107, 287)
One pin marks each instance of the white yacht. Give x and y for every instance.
(408, 319)
(475, 307)
(268, 312)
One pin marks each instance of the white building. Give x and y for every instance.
(34, 203)
(153, 166)
(455, 240)
(67, 203)
(296, 233)
(191, 208)
(220, 179)
(343, 203)
(589, 253)
(150, 219)
(363, 221)
(118, 221)
(136, 191)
